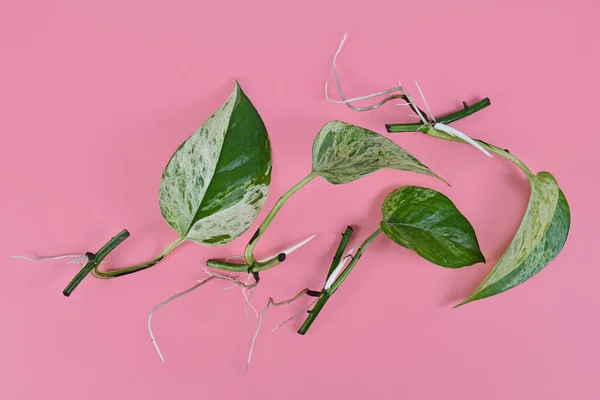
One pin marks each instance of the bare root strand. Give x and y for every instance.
(183, 293)
(76, 258)
(273, 303)
(404, 96)
(260, 320)
(425, 101)
(296, 297)
(349, 101)
(449, 130)
(299, 313)
(248, 293)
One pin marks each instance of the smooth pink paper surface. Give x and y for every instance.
(96, 96)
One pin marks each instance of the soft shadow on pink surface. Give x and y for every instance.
(96, 96)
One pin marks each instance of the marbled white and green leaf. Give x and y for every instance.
(343, 153)
(217, 181)
(540, 237)
(428, 223)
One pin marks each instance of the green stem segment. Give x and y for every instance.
(252, 265)
(455, 116)
(312, 314)
(446, 119)
(129, 270)
(249, 253)
(354, 261)
(95, 261)
(327, 293)
(340, 250)
(227, 266)
(495, 149)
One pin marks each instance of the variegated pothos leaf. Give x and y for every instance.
(343, 153)
(217, 181)
(540, 237)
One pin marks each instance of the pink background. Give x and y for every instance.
(96, 96)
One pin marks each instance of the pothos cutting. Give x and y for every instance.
(217, 182)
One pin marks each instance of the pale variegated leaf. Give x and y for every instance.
(343, 153)
(217, 181)
(540, 237)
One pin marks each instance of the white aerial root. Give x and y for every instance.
(50, 257)
(183, 293)
(348, 102)
(399, 88)
(212, 276)
(338, 270)
(288, 251)
(248, 293)
(76, 258)
(425, 101)
(449, 130)
(409, 101)
(260, 320)
(456, 133)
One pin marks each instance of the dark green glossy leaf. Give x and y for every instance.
(428, 223)
(217, 181)
(540, 237)
(343, 153)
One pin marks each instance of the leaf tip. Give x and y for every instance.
(443, 180)
(462, 303)
(236, 86)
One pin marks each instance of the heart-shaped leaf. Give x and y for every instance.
(428, 223)
(343, 153)
(540, 237)
(217, 181)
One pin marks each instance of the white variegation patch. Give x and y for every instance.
(191, 169)
(540, 237)
(229, 223)
(218, 215)
(551, 244)
(537, 219)
(343, 153)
